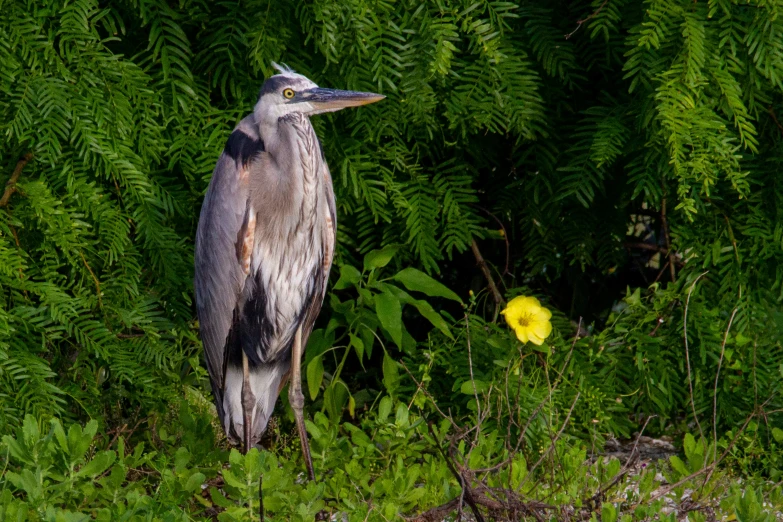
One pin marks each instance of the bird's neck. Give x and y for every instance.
(300, 142)
(294, 147)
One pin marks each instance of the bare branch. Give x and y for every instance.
(10, 186)
(554, 441)
(493, 289)
(715, 388)
(580, 22)
(687, 350)
(665, 224)
(467, 492)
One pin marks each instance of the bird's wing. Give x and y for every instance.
(221, 267)
(329, 240)
(330, 230)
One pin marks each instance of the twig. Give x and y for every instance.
(10, 186)
(665, 224)
(658, 324)
(438, 513)
(715, 388)
(632, 457)
(429, 396)
(519, 442)
(120, 430)
(506, 270)
(665, 490)
(668, 262)
(513, 505)
(19, 246)
(636, 443)
(580, 22)
(560, 375)
(472, 379)
(487, 275)
(774, 118)
(687, 350)
(129, 336)
(466, 491)
(95, 280)
(419, 386)
(557, 437)
(732, 238)
(646, 246)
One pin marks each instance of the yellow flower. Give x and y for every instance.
(528, 319)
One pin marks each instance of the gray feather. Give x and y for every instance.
(265, 246)
(218, 276)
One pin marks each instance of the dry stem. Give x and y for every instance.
(687, 351)
(10, 186)
(493, 289)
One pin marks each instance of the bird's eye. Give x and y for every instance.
(288, 93)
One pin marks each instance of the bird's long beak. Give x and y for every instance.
(329, 100)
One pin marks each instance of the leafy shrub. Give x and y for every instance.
(619, 161)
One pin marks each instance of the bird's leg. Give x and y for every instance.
(248, 401)
(296, 398)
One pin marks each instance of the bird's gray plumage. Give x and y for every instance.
(264, 247)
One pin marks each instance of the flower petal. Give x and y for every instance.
(541, 329)
(530, 302)
(514, 311)
(529, 320)
(542, 314)
(522, 302)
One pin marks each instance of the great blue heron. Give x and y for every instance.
(264, 248)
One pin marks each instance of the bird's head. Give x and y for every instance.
(289, 92)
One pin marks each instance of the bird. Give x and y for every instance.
(263, 251)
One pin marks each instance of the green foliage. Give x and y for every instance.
(619, 160)
(57, 473)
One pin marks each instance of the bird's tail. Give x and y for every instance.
(265, 383)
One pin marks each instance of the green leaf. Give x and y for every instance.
(313, 429)
(518, 471)
(391, 375)
(608, 513)
(401, 416)
(473, 387)
(254, 461)
(543, 348)
(90, 430)
(349, 276)
(315, 375)
(358, 345)
(30, 430)
(181, 459)
(679, 466)
(318, 342)
(98, 464)
(194, 483)
(231, 479)
(380, 258)
(79, 441)
(384, 409)
(429, 313)
(59, 434)
(335, 399)
(389, 312)
(418, 281)
(219, 499)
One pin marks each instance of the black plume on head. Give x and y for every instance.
(273, 84)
